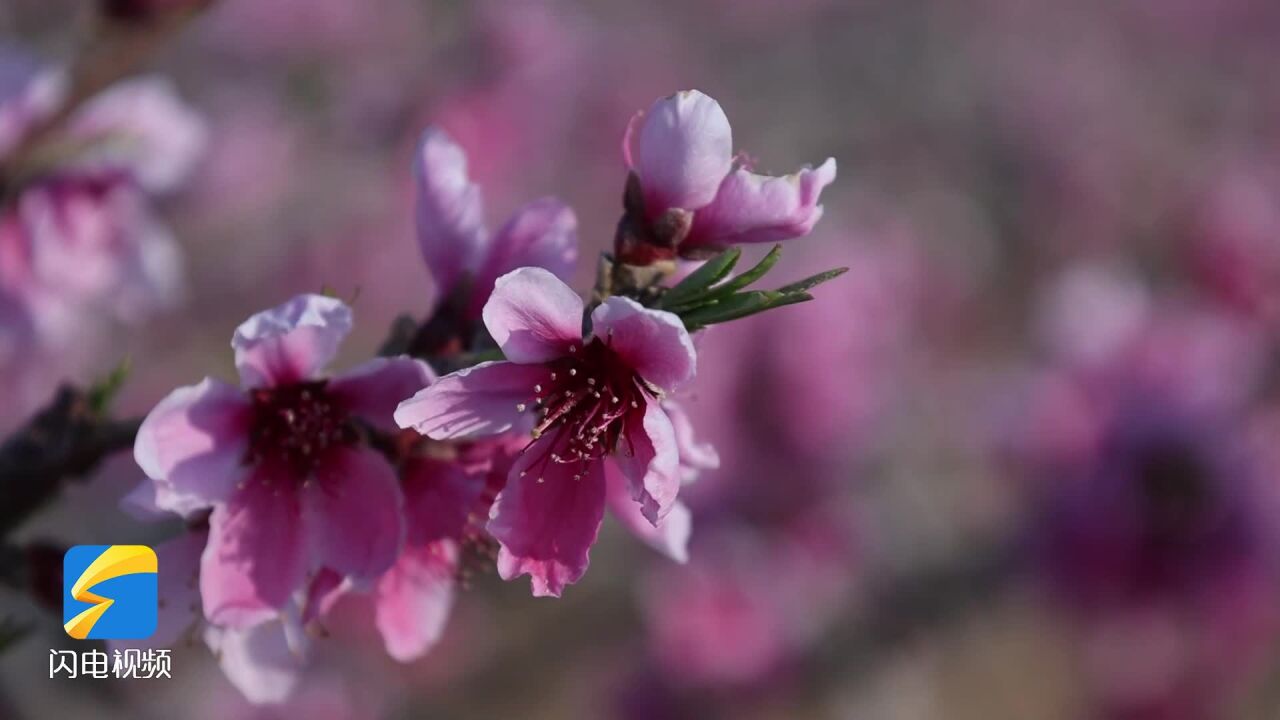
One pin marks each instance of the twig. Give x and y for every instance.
(65, 441)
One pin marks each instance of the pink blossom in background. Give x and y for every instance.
(1150, 515)
(280, 463)
(1233, 248)
(80, 244)
(681, 150)
(748, 603)
(588, 401)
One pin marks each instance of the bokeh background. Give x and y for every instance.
(1021, 462)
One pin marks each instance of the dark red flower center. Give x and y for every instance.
(296, 424)
(584, 406)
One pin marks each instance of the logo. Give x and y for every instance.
(109, 592)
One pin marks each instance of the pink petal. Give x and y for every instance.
(542, 234)
(648, 458)
(682, 151)
(414, 598)
(481, 400)
(256, 555)
(669, 537)
(142, 128)
(654, 342)
(533, 316)
(751, 208)
(374, 389)
(291, 342)
(695, 456)
(450, 213)
(439, 495)
(259, 660)
(547, 527)
(354, 513)
(323, 591)
(193, 443)
(140, 503)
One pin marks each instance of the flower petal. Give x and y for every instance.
(682, 151)
(259, 660)
(669, 537)
(542, 234)
(140, 127)
(439, 495)
(374, 389)
(654, 342)
(193, 443)
(256, 556)
(450, 212)
(291, 342)
(533, 316)
(652, 466)
(414, 597)
(480, 400)
(751, 208)
(695, 456)
(546, 521)
(354, 513)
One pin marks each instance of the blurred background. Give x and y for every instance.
(1023, 461)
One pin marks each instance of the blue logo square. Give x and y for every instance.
(109, 592)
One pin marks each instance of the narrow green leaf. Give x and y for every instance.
(813, 281)
(740, 306)
(765, 265)
(732, 286)
(105, 389)
(711, 272)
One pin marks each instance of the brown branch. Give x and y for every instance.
(65, 441)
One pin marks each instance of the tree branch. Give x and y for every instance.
(64, 441)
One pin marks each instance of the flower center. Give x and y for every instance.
(295, 424)
(584, 404)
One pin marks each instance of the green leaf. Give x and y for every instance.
(711, 272)
(813, 281)
(105, 389)
(740, 306)
(730, 287)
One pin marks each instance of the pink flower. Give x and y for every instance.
(457, 245)
(592, 404)
(681, 151)
(263, 661)
(447, 489)
(292, 488)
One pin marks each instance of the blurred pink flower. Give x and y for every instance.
(748, 602)
(79, 242)
(1234, 250)
(589, 400)
(1151, 509)
(682, 152)
(292, 488)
